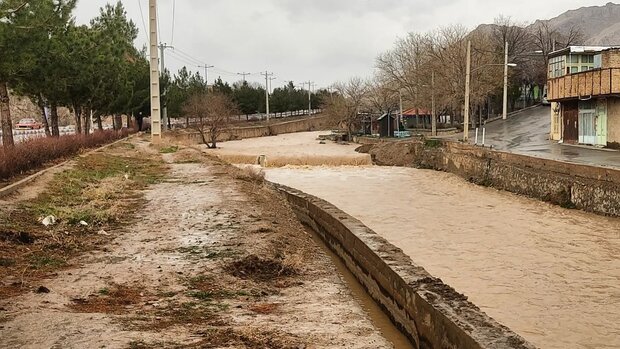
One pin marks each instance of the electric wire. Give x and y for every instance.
(146, 32)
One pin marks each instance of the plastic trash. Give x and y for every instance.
(49, 220)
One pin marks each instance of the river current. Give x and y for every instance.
(550, 274)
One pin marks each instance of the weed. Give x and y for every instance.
(201, 295)
(40, 262)
(169, 150)
(432, 143)
(6, 262)
(104, 291)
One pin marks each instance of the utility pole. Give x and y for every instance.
(400, 102)
(270, 84)
(164, 115)
(244, 75)
(467, 80)
(267, 75)
(207, 67)
(310, 83)
(433, 116)
(154, 68)
(505, 100)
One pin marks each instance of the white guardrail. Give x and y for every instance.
(24, 135)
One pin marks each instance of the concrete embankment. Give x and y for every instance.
(320, 122)
(589, 188)
(430, 313)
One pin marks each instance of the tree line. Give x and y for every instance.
(422, 67)
(47, 57)
(249, 97)
(95, 70)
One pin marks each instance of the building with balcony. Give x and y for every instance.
(584, 91)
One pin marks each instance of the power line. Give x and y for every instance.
(188, 56)
(146, 32)
(244, 75)
(157, 15)
(181, 59)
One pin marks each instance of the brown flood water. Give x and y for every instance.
(550, 274)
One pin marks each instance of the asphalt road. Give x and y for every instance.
(528, 133)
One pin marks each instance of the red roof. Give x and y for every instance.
(420, 111)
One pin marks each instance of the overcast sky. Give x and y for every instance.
(300, 40)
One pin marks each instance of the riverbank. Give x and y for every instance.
(588, 188)
(191, 253)
(527, 263)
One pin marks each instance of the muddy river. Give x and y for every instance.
(550, 274)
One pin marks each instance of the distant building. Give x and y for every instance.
(388, 123)
(417, 118)
(584, 91)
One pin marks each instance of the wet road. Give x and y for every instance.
(528, 132)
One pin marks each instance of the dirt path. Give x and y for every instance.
(215, 260)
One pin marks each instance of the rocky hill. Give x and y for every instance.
(599, 24)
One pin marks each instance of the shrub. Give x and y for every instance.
(34, 153)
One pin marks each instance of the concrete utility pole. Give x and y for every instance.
(207, 67)
(310, 83)
(467, 80)
(400, 102)
(433, 116)
(244, 75)
(164, 114)
(154, 67)
(267, 75)
(505, 100)
(270, 84)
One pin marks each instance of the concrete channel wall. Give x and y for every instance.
(589, 188)
(430, 313)
(315, 123)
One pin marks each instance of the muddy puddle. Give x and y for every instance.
(550, 274)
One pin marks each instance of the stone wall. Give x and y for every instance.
(610, 58)
(430, 313)
(316, 123)
(589, 188)
(613, 120)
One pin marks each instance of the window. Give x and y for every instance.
(587, 59)
(597, 61)
(574, 70)
(573, 59)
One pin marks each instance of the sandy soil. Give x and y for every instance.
(215, 260)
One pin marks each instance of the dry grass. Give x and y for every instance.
(113, 300)
(264, 308)
(306, 160)
(250, 174)
(99, 190)
(260, 269)
(33, 154)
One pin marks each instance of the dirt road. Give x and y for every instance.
(213, 258)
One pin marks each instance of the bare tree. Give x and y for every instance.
(547, 39)
(211, 113)
(346, 104)
(382, 95)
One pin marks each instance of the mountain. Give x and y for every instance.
(599, 24)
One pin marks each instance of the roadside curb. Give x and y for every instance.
(12, 188)
(497, 118)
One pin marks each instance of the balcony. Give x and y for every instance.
(591, 83)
